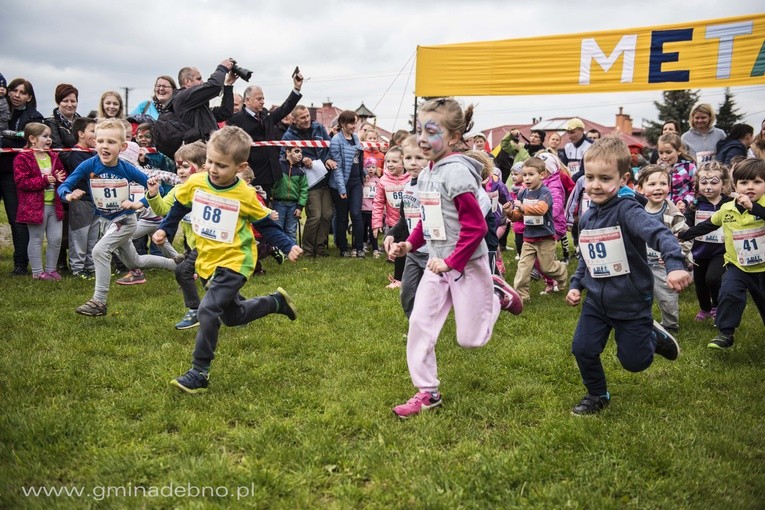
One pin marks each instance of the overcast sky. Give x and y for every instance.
(352, 51)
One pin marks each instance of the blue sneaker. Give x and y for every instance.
(284, 304)
(189, 320)
(194, 381)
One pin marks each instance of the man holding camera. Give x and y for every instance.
(261, 125)
(192, 101)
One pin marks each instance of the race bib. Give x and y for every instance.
(529, 219)
(369, 190)
(137, 192)
(705, 156)
(108, 194)
(603, 252)
(214, 217)
(584, 203)
(717, 236)
(393, 195)
(411, 216)
(749, 246)
(431, 216)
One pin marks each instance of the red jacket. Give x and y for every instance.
(30, 187)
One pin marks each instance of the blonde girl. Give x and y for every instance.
(37, 174)
(111, 106)
(457, 274)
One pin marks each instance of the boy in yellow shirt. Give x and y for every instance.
(222, 207)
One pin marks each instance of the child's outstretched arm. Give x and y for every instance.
(273, 234)
(170, 222)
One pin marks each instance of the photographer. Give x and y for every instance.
(192, 101)
(261, 125)
(512, 152)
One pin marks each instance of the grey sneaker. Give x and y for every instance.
(591, 404)
(92, 308)
(189, 320)
(721, 342)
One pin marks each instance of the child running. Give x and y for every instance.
(653, 183)
(613, 236)
(222, 207)
(708, 250)
(743, 223)
(110, 180)
(457, 274)
(37, 173)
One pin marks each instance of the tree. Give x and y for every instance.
(728, 114)
(677, 106)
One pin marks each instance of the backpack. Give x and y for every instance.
(170, 132)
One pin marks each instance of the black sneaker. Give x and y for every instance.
(284, 304)
(666, 344)
(591, 404)
(277, 254)
(19, 271)
(721, 342)
(194, 381)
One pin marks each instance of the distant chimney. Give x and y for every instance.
(326, 104)
(623, 122)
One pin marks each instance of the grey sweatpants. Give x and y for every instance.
(666, 298)
(83, 235)
(116, 239)
(413, 268)
(51, 228)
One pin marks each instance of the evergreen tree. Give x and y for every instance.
(676, 105)
(728, 114)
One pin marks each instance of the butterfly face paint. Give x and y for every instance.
(432, 138)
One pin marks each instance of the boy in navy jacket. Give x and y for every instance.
(613, 267)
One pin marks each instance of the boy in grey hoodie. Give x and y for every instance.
(613, 268)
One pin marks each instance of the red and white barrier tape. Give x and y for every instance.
(269, 143)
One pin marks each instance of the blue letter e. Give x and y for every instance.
(658, 57)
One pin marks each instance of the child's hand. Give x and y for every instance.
(274, 215)
(518, 205)
(127, 204)
(744, 201)
(438, 266)
(680, 205)
(678, 279)
(142, 155)
(60, 176)
(573, 297)
(159, 237)
(153, 186)
(307, 162)
(51, 178)
(295, 253)
(400, 249)
(388, 244)
(298, 212)
(74, 195)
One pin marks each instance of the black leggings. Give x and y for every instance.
(707, 277)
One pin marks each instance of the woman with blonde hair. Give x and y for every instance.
(702, 138)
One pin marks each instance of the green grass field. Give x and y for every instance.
(299, 413)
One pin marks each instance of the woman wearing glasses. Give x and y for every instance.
(164, 87)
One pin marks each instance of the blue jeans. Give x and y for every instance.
(343, 207)
(287, 218)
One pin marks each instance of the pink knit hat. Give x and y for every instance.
(130, 154)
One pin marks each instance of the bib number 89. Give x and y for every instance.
(211, 214)
(597, 250)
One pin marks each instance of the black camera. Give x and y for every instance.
(241, 72)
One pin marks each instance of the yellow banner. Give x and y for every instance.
(712, 53)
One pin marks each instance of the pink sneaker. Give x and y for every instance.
(509, 299)
(702, 315)
(421, 401)
(55, 275)
(45, 276)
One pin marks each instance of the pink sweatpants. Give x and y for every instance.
(476, 309)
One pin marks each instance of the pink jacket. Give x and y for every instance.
(555, 186)
(388, 199)
(30, 187)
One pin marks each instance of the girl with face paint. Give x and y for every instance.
(457, 274)
(712, 180)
